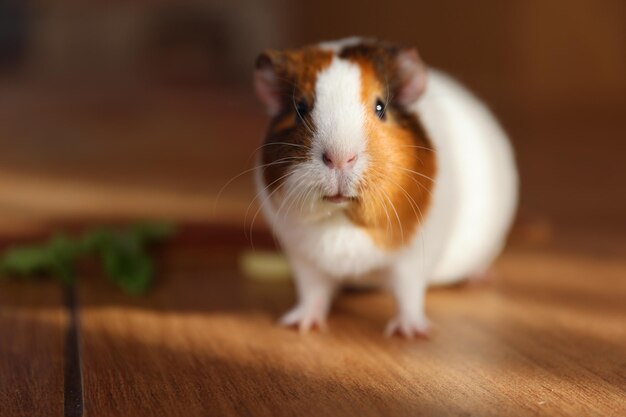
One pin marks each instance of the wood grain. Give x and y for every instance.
(545, 338)
(32, 325)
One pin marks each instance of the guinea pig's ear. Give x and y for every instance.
(267, 83)
(411, 72)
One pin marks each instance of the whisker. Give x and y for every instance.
(418, 173)
(258, 194)
(277, 144)
(414, 206)
(302, 190)
(305, 198)
(384, 206)
(277, 162)
(419, 184)
(393, 207)
(420, 147)
(259, 210)
(294, 188)
(408, 197)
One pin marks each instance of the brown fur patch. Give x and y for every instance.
(297, 71)
(396, 192)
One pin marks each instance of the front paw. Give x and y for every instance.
(304, 318)
(408, 327)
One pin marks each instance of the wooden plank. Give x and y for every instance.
(546, 338)
(32, 326)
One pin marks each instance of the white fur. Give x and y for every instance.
(339, 120)
(474, 199)
(475, 157)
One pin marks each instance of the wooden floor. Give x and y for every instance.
(546, 337)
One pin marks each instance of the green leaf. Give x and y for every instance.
(25, 260)
(129, 268)
(123, 254)
(54, 257)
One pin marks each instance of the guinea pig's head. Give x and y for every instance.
(343, 135)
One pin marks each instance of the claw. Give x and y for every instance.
(304, 319)
(408, 327)
(485, 277)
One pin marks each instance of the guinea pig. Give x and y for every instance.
(377, 167)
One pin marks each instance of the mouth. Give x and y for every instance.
(338, 198)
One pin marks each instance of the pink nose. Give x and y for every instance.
(338, 162)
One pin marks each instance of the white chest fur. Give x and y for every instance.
(329, 241)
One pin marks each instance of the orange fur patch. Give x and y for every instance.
(396, 191)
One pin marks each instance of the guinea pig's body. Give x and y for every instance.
(370, 173)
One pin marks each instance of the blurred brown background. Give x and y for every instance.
(125, 109)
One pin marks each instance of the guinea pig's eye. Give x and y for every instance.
(380, 109)
(302, 108)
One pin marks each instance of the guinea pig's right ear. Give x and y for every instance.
(267, 83)
(411, 76)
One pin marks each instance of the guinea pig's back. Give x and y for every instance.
(476, 166)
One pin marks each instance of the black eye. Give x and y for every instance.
(302, 108)
(380, 109)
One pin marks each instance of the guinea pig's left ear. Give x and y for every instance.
(411, 73)
(267, 83)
